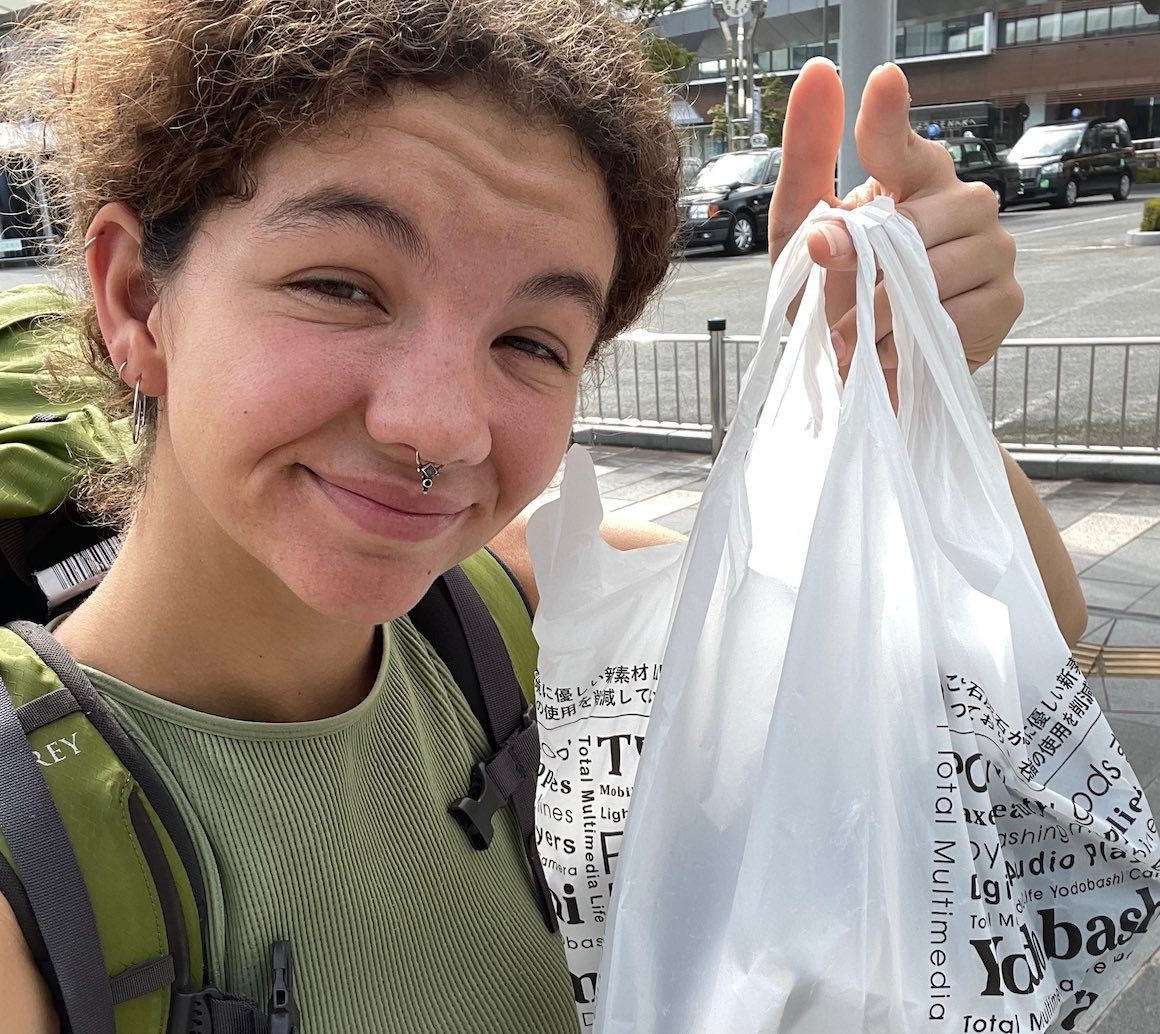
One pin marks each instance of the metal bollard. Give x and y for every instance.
(717, 383)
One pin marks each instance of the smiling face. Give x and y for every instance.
(429, 281)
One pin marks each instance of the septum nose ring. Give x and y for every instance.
(428, 472)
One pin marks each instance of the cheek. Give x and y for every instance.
(528, 444)
(235, 399)
(234, 392)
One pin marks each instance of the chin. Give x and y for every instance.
(370, 594)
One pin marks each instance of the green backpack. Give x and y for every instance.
(118, 927)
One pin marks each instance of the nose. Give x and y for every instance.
(431, 395)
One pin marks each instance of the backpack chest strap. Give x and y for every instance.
(509, 775)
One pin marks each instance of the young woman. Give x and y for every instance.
(333, 243)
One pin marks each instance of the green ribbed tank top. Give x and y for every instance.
(335, 835)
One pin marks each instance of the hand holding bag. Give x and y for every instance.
(877, 796)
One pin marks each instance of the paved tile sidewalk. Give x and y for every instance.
(1112, 531)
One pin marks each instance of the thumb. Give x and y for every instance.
(900, 160)
(809, 151)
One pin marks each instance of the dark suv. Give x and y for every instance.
(976, 162)
(1060, 161)
(728, 202)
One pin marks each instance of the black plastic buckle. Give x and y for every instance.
(475, 812)
(189, 1011)
(283, 1009)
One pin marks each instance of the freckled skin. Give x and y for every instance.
(261, 379)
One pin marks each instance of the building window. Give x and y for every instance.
(915, 40)
(936, 38)
(1073, 24)
(957, 31)
(1144, 20)
(1123, 18)
(1098, 19)
(939, 36)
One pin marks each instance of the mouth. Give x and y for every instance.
(386, 511)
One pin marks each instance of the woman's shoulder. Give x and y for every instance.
(27, 1002)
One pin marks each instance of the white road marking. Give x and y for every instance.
(1086, 247)
(1097, 297)
(1068, 226)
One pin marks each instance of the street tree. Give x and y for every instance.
(774, 96)
(645, 12)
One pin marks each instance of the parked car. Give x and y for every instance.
(728, 201)
(689, 168)
(976, 162)
(1062, 161)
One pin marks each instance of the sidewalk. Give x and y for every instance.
(1112, 531)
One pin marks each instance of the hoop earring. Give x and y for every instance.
(137, 417)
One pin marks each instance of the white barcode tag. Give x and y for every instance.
(79, 572)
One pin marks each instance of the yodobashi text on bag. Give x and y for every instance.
(601, 626)
(899, 810)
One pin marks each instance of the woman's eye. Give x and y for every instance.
(535, 349)
(334, 290)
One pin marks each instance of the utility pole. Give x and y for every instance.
(728, 83)
(865, 40)
(757, 12)
(725, 10)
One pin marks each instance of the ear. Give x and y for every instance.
(126, 302)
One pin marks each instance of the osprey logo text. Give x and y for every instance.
(57, 751)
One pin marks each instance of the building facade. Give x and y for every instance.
(993, 69)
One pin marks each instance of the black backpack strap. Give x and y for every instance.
(192, 1010)
(81, 689)
(52, 880)
(509, 775)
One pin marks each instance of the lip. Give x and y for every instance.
(386, 511)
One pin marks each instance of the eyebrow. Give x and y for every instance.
(329, 207)
(569, 286)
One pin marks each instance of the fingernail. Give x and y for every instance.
(836, 239)
(839, 344)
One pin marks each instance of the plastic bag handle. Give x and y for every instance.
(707, 541)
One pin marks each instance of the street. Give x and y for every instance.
(1064, 255)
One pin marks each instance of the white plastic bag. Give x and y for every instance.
(876, 795)
(601, 626)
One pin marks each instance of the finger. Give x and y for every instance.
(844, 333)
(890, 151)
(988, 312)
(958, 273)
(966, 210)
(982, 313)
(810, 140)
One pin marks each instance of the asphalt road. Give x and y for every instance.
(1079, 277)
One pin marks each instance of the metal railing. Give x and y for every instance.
(1090, 396)
(1148, 151)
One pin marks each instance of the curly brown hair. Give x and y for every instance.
(166, 105)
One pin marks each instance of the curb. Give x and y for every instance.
(1143, 238)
